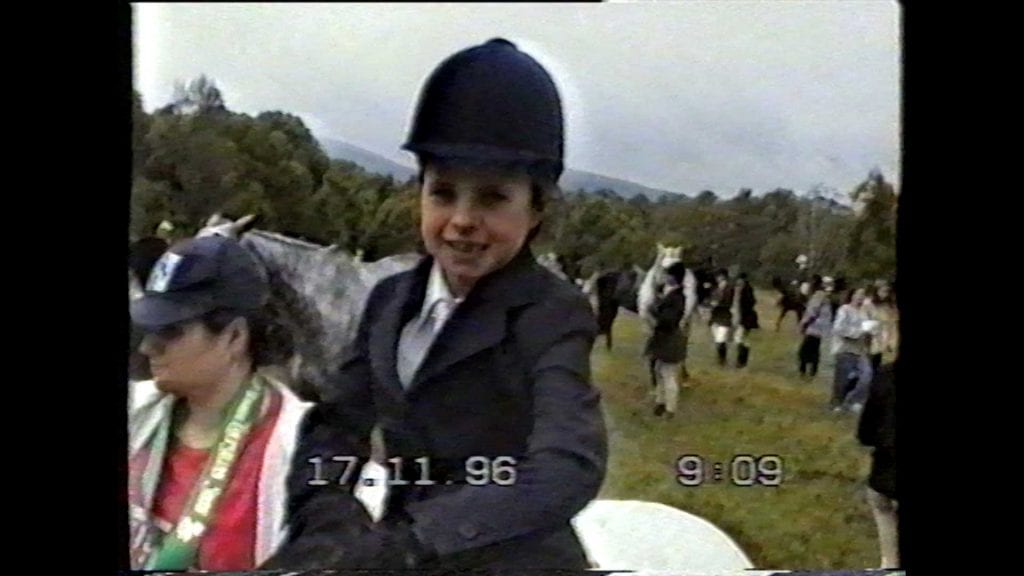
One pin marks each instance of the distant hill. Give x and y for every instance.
(589, 182)
(370, 161)
(833, 206)
(572, 180)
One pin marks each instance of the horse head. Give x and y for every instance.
(667, 255)
(218, 225)
(553, 263)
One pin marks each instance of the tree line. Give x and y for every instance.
(194, 157)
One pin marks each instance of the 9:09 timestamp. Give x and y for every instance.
(742, 470)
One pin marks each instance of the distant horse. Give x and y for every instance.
(627, 292)
(602, 291)
(791, 299)
(610, 290)
(654, 279)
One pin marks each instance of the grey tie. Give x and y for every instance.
(417, 336)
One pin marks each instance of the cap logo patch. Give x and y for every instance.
(163, 272)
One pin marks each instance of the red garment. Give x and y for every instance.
(229, 542)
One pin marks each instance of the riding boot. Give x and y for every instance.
(723, 349)
(742, 356)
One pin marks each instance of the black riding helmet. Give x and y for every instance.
(493, 104)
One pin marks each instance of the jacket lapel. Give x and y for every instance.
(466, 333)
(480, 322)
(383, 336)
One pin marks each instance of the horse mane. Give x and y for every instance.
(288, 240)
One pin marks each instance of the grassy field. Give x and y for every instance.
(818, 517)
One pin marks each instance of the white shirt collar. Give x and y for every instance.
(437, 290)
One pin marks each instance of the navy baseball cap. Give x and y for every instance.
(198, 276)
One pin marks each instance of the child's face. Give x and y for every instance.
(474, 220)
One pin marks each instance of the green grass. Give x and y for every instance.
(818, 517)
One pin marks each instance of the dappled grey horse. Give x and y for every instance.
(317, 296)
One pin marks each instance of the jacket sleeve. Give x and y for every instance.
(566, 455)
(323, 520)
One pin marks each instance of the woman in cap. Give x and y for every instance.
(210, 439)
(475, 364)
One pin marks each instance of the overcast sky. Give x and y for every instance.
(683, 96)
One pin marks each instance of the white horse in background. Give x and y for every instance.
(550, 261)
(654, 279)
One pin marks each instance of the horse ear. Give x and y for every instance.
(244, 224)
(213, 220)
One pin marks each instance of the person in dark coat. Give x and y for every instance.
(721, 314)
(667, 345)
(877, 430)
(475, 365)
(607, 304)
(745, 318)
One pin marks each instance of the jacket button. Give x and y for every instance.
(468, 531)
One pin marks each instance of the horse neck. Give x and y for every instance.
(306, 269)
(288, 257)
(317, 294)
(654, 273)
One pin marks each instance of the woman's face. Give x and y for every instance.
(474, 220)
(858, 297)
(189, 358)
